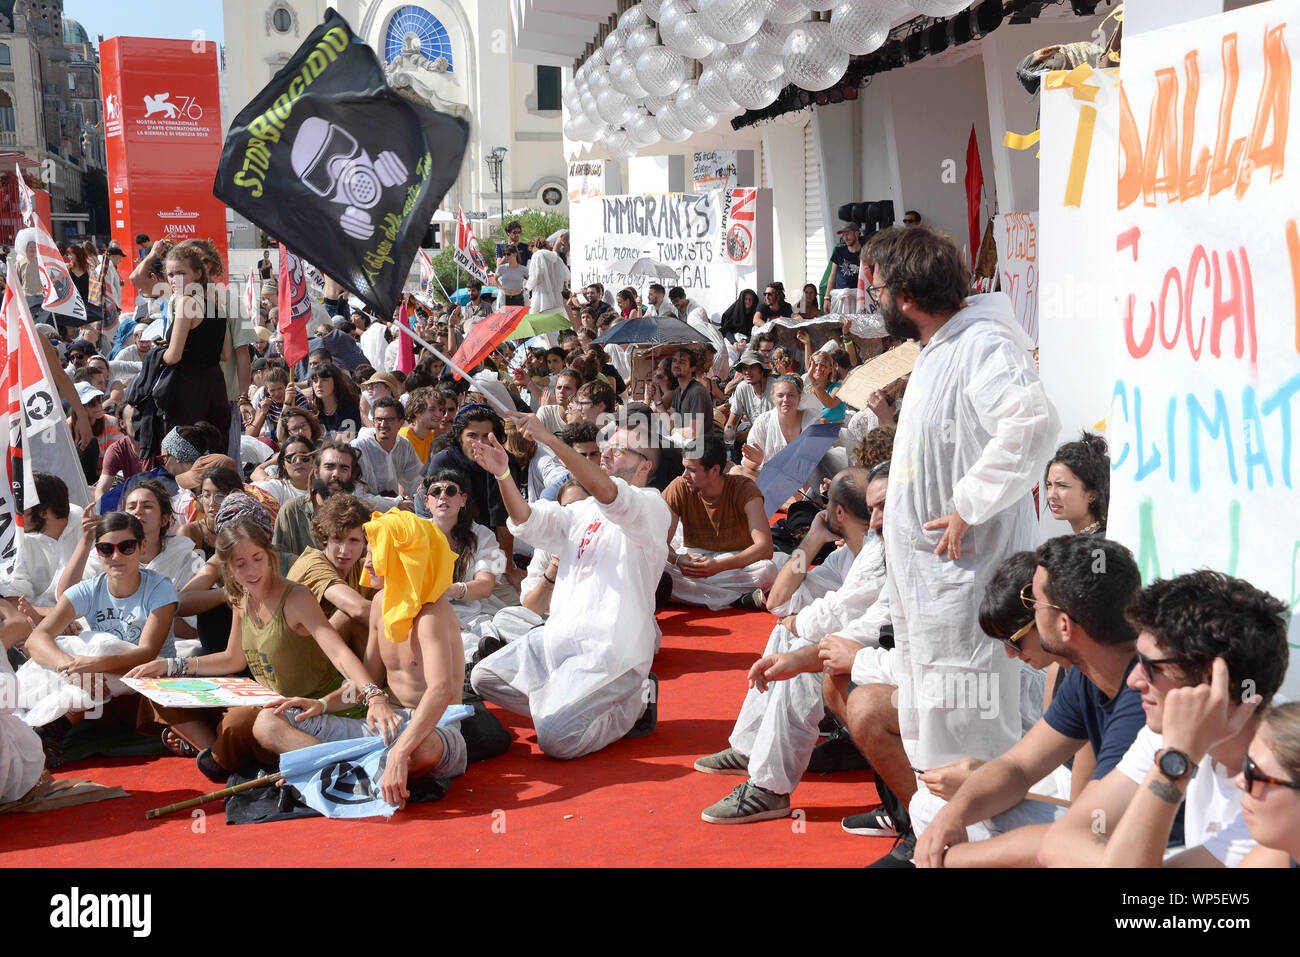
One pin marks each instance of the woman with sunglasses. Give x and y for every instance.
(133, 604)
(480, 563)
(1270, 785)
(294, 463)
(335, 400)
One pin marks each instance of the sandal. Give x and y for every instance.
(177, 745)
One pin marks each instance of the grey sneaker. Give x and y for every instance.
(748, 802)
(875, 823)
(729, 761)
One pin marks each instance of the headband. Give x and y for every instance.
(240, 508)
(174, 445)
(475, 407)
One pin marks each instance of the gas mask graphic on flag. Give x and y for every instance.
(331, 163)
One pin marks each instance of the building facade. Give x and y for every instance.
(51, 114)
(455, 56)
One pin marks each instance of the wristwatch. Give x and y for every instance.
(1175, 764)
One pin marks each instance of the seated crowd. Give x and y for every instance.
(376, 546)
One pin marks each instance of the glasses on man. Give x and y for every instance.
(1250, 771)
(77, 358)
(444, 491)
(614, 451)
(769, 294)
(873, 293)
(106, 549)
(386, 421)
(1151, 666)
(1029, 601)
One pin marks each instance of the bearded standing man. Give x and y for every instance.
(975, 433)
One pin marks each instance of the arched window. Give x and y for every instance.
(7, 124)
(424, 27)
(4, 55)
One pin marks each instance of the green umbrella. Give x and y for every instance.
(535, 324)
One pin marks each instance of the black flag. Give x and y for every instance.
(337, 166)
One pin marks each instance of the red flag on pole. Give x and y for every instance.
(974, 188)
(295, 307)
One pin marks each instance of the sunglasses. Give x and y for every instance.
(1017, 636)
(1152, 665)
(443, 491)
(1250, 771)
(616, 450)
(300, 458)
(1027, 599)
(910, 222)
(106, 549)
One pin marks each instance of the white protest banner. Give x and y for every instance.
(1077, 347)
(715, 169)
(740, 226)
(467, 254)
(203, 692)
(1206, 255)
(586, 180)
(1016, 236)
(680, 230)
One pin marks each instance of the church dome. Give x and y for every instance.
(74, 32)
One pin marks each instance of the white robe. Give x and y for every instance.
(547, 275)
(975, 433)
(21, 757)
(581, 676)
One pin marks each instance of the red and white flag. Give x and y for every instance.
(32, 422)
(467, 255)
(295, 306)
(251, 297)
(426, 271)
(26, 200)
(61, 295)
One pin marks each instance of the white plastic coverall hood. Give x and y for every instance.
(975, 433)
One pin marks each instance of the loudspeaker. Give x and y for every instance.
(845, 213)
(880, 214)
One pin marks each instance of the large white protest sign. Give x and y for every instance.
(715, 169)
(1077, 349)
(1016, 237)
(681, 230)
(1206, 254)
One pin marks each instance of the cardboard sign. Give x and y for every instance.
(879, 372)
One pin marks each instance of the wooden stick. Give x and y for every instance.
(215, 795)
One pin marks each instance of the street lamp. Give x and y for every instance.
(494, 161)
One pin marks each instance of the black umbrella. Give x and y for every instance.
(651, 330)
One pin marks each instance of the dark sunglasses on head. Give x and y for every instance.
(448, 490)
(106, 549)
(1250, 771)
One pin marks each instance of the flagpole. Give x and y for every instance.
(461, 372)
(213, 796)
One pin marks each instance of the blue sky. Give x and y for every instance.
(167, 19)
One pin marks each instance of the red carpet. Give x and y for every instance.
(637, 803)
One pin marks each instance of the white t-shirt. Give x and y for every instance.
(1212, 816)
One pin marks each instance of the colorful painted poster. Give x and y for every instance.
(1016, 236)
(203, 692)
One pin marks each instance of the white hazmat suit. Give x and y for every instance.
(975, 433)
(582, 675)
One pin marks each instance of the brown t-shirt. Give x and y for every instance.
(718, 526)
(314, 571)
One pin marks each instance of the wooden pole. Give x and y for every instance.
(214, 796)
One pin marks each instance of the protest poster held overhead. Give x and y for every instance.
(340, 168)
(467, 255)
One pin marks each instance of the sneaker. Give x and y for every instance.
(748, 802)
(488, 645)
(650, 716)
(210, 768)
(901, 855)
(875, 823)
(729, 761)
(754, 601)
(837, 753)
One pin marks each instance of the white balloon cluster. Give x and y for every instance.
(639, 87)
